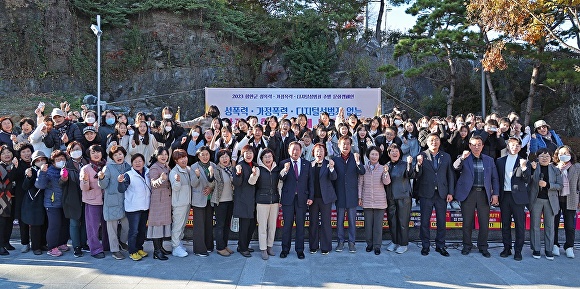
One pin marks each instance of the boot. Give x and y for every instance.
(165, 252)
(157, 254)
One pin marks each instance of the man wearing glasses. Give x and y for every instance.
(477, 187)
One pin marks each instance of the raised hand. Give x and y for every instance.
(409, 159)
(15, 162)
(163, 176)
(177, 178)
(534, 165)
(121, 178)
(101, 174)
(386, 168)
(255, 171)
(330, 164)
(183, 139)
(465, 154)
(44, 168)
(420, 159)
(523, 163)
(238, 169)
(210, 169)
(356, 158)
(28, 172)
(13, 137)
(287, 166)
(197, 172)
(64, 138)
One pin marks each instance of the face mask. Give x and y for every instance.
(564, 158)
(76, 154)
(195, 134)
(90, 120)
(424, 125)
(39, 164)
(60, 164)
(167, 116)
(110, 121)
(167, 128)
(398, 122)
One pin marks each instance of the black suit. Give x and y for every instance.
(295, 193)
(512, 202)
(321, 205)
(434, 183)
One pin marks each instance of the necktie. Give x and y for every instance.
(296, 169)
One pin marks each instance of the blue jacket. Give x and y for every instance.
(539, 142)
(465, 182)
(346, 184)
(50, 182)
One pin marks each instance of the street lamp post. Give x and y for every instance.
(97, 30)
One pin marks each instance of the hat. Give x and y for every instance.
(89, 128)
(540, 123)
(37, 155)
(57, 111)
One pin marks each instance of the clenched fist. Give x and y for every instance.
(330, 164)
(197, 173)
(420, 159)
(465, 154)
(177, 178)
(121, 178)
(409, 159)
(238, 169)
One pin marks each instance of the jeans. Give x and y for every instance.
(137, 229)
(351, 224)
(569, 225)
(221, 230)
(78, 231)
(58, 228)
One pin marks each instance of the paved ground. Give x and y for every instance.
(336, 270)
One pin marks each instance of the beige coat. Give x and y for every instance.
(371, 187)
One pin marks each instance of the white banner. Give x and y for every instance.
(238, 103)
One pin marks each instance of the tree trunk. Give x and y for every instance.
(494, 103)
(379, 21)
(452, 82)
(533, 87)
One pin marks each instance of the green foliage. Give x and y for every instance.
(311, 63)
(390, 70)
(434, 105)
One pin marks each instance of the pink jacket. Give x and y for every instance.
(92, 193)
(371, 187)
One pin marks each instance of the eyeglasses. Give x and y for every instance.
(476, 145)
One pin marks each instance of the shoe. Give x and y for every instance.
(392, 247)
(465, 251)
(313, 251)
(570, 252)
(118, 255)
(442, 251)
(485, 253)
(157, 254)
(37, 252)
(250, 250)
(377, 251)
(270, 251)
(99, 255)
(9, 247)
(339, 247)
(549, 255)
(44, 248)
(54, 252)
(209, 251)
(369, 248)
(142, 253)
(536, 254)
(77, 252)
(63, 248)
(300, 255)
(505, 253)
(165, 252)
(425, 251)
(3, 251)
(518, 256)
(324, 252)
(224, 253)
(265, 255)
(123, 246)
(135, 257)
(179, 252)
(283, 254)
(351, 247)
(556, 250)
(86, 248)
(25, 248)
(246, 254)
(401, 249)
(455, 205)
(229, 250)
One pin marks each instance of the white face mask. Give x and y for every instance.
(39, 164)
(76, 154)
(565, 158)
(60, 164)
(167, 116)
(168, 128)
(398, 122)
(90, 120)
(195, 134)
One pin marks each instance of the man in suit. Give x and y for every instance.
(477, 187)
(435, 179)
(514, 177)
(384, 140)
(295, 192)
(348, 167)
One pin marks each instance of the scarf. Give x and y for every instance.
(98, 166)
(565, 181)
(205, 168)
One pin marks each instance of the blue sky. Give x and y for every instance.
(397, 19)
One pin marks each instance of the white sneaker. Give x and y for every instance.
(556, 251)
(392, 247)
(570, 252)
(401, 249)
(179, 252)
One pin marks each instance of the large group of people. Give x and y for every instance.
(108, 183)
